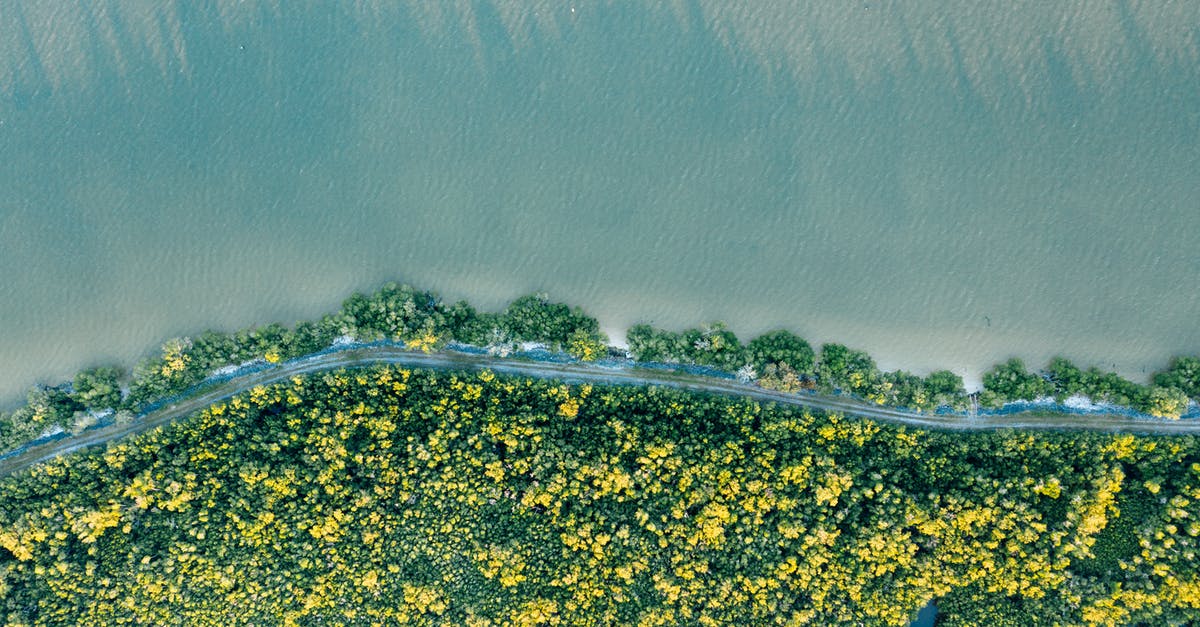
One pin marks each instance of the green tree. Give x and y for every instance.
(395, 312)
(8, 430)
(946, 388)
(845, 368)
(906, 390)
(1183, 374)
(1068, 380)
(51, 406)
(99, 388)
(1166, 402)
(1112, 388)
(781, 347)
(470, 326)
(310, 337)
(649, 344)
(1010, 381)
(714, 345)
(586, 346)
(534, 318)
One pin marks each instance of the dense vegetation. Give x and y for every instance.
(783, 361)
(389, 496)
(395, 313)
(778, 360)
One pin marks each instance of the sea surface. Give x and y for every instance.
(943, 187)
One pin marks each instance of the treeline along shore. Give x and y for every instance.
(778, 360)
(421, 496)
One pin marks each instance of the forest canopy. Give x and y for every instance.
(387, 495)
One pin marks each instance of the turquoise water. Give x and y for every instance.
(939, 189)
(927, 617)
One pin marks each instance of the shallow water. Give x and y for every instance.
(939, 189)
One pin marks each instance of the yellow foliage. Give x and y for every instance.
(424, 599)
(16, 544)
(1050, 488)
(1167, 407)
(568, 520)
(832, 485)
(584, 347)
(424, 342)
(535, 613)
(139, 490)
(569, 408)
(370, 581)
(506, 565)
(91, 525)
(329, 529)
(495, 470)
(1122, 446)
(175, 359)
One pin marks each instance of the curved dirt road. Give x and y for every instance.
(577, 372)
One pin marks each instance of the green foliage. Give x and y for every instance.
(786, 362)
(1112, 388)
(535, 318)
(847, 369)
(975, 606)
(184, 362)
(395, 312)
(98, 388)
(1183, 374)
(1118, 542)
(1163, 402)
(908, 390)
(713, 345)
(310, 337)
(46, 409)
(471, 326)
(52, 406)
(391, 496)
(422, 321)
(1165, 399)
(781, 347)
(1067, 378)
(783, 360)
(946, 388)
(585, 345)
(647, 343)
(1010, 381)
(838, 367)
